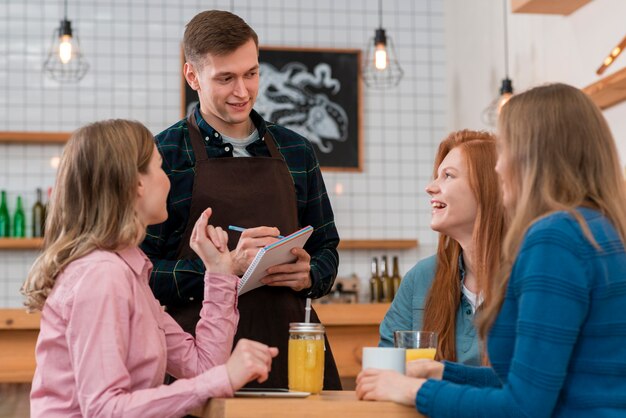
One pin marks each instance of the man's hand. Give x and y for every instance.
(250, 242)
(296, 275)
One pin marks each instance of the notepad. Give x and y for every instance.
(277, 253)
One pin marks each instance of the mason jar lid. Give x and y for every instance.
(306, 327)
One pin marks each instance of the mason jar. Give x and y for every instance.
(306, 357)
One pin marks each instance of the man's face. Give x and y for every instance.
(227, 86)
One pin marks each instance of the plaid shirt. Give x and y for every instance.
(174, 281)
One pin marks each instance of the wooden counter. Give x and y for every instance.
(18, 336)
(349, 328)
(328, 404)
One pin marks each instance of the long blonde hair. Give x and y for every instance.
(561, 155)
(93, 204)
(442, 302)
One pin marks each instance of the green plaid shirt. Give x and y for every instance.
(175, 281)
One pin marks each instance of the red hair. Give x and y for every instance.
(442, 301)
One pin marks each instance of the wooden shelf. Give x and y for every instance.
(608, 91)
(21, 243)
(553, 7)
(348, 244)
(34, 137)
(377, 244)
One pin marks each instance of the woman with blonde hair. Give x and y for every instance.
(442, 292)
(105, 344)
(555, 324)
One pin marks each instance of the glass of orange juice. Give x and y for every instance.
(418, 344)
(306, 357)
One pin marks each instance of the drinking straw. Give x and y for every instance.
(307, 311)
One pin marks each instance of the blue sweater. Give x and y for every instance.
(407, 312)
(558, 345)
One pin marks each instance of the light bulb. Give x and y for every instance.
(380, 57)
(65, 49)
(503, 99)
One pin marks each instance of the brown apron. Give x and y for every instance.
(250, 192)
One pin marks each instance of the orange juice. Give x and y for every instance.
(420, 353)
(306, 365)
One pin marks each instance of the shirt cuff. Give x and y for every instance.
(213, 383)
(426, 394)
(220, 287)
(454, 372)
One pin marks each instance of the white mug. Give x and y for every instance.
(389, 358)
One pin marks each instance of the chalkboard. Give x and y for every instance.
(315, 92)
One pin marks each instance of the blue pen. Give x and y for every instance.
(240, 229)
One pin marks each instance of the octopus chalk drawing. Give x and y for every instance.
(299, 100)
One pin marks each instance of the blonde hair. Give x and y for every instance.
(93, 204)
(561, 155)
(442, 303)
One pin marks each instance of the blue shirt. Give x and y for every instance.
(558, 345)
(407, 312)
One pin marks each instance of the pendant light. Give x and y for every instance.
(65, 62)
(490, 114)
(381, 68)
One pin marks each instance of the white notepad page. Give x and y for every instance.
(271, 255)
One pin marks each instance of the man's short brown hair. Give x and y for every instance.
(216, 32)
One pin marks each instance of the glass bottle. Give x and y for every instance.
(19, 220)
(375, 284)
(395, 276)
(385, 280)
(38, 216)
(306, 357)
(5, 220)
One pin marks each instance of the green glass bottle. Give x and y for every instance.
(19, 220)
(5, 220)
(38, 216)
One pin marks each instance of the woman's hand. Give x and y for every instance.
(250, 360)
(211, 245)
(425, 369)
(387, 385)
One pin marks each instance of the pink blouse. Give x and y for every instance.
(105, 343)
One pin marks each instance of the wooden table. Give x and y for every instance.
(328, 404)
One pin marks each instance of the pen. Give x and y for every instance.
(240, 229)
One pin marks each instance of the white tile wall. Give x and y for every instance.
(133, 49)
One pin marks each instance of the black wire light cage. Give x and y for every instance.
(381, 68)
(65, 62)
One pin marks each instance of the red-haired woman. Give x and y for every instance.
(442, 292)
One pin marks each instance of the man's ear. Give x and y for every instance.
(191, 76)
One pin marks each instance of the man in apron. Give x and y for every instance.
(253, 174)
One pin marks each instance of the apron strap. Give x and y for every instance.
(196, 139)
(270, 142)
